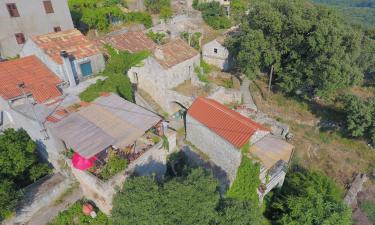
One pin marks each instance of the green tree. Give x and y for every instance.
(310, 49)
(309, 198)
(214, 14)
(19, 167)
(240, 213)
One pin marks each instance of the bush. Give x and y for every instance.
(247, 181)
(158, 38)
(214, 15)
(114, 165)
(155, 6)
(139, 17)
(194, 39)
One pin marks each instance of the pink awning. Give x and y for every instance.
(81, 163)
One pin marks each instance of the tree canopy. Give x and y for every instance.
(309, 198)
(189, 197)
(19, 167)
(311, 49)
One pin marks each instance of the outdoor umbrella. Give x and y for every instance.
(81, 163)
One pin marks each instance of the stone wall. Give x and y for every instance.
(158, 81)
(38, 195)
(221, 152)
(152, 161)
(224, 95)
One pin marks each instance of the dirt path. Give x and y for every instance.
(247, 98)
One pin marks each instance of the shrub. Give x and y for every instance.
(247, 181)
(194, 39)
(114, 165)
(214, 15)
(155, 6)
(158, 38)
(369, 208)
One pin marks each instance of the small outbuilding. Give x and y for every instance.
(215, 53)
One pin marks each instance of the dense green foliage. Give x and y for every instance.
(355, 11)
(203, 71)
(360, 116)
(19, 167)
(101, 14)
(159, 6)
(213, 14)
(117, 81)
(308, 198)
(369, 208)
(311, 49)
(247, 181)
(74, 215)
(114, 165)
(158, 38)
(188, 197)
(192, 38)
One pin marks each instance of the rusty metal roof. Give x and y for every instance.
(225, 122)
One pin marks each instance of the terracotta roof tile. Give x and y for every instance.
(175, 52)
(71, 41)
(225, 122)
(132, 42)
(38, 79)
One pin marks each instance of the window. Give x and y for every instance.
(57, 29)
(215, 50)
(48, 6)
(86, 69)
(12, 9)
(20, 38)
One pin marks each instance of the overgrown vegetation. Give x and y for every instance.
(190, 197)
(355, 11)
(114, 165)
(157, 37)
(74, 215)
(247, 181)
(213, 14)
(193, 39)
(369, 208)
(161, 7)
(20, 166)
(101, 14)
(202, 71)
(308, 198)
(115, 72)
(310, 50)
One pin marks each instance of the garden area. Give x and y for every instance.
(112, 161)
(20, 166)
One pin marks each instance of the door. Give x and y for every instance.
(86, 69)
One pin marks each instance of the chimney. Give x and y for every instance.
(159, 53)
(68, 68)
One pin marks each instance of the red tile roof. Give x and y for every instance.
(176, 52)
(72, 41)
(38, 79)
(225, 122)
(132, 42)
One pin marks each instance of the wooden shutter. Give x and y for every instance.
(20, 38)
(48, 6)
(12, 9)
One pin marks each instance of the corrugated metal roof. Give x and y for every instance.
(109, 120)
(271, 149)
(225, 122)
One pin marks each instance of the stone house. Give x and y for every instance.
(216, 54)
(168, 66)
(23, 19)
(69, 54)
(222, 134)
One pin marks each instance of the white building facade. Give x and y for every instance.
(21, 19)
(216, 54)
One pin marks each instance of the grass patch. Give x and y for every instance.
(66, 193)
